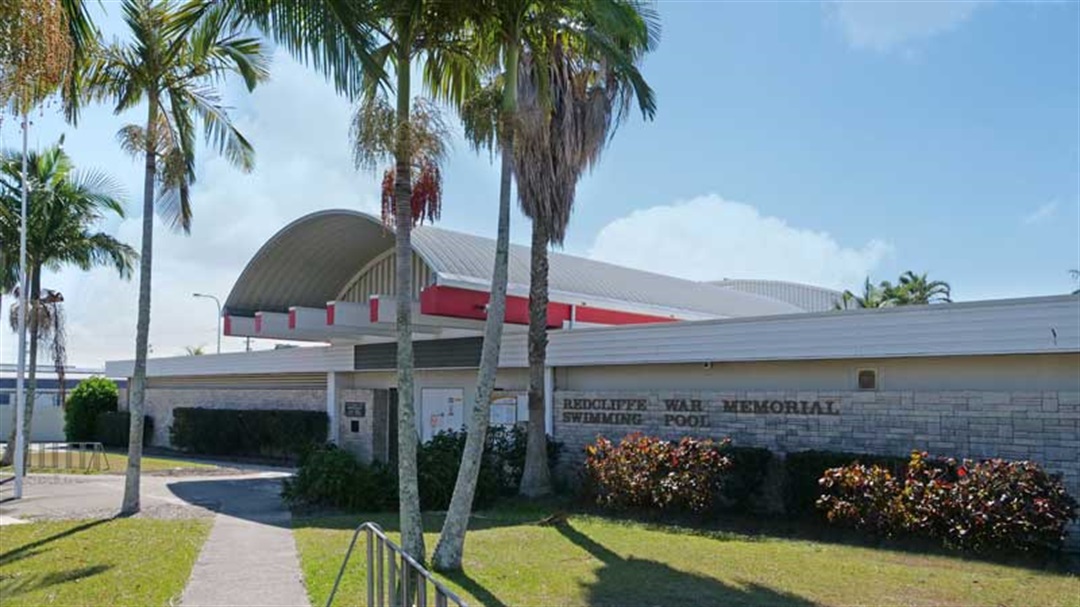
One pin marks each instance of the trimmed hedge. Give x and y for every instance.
(742, 487)
(271, 433)
(113, 429)
(92, 397)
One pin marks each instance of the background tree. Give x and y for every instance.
(917, 289)
(1076, 278)
(911, 289)
(172, 62)
(559, 139)
(503, 32)
(194, 350)
(872, 297)
(64, 207)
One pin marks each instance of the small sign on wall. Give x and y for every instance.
(355, 409)
(504, 409)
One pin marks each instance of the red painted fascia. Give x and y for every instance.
(292, 320)
(228, 325)
(373, 309)
(258, 323)
(330, 313)
(464, 303)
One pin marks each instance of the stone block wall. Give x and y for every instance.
(1039, 426)
(160, 403)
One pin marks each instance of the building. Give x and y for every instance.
(632, 350)
(48, 418)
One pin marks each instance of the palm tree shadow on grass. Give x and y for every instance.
(31, 549)
(11, 587)
(632, 581)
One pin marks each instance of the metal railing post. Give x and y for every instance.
(389, 580)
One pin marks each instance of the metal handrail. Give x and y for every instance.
(400, 574)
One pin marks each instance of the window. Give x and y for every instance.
(867, 379)
(354, 425)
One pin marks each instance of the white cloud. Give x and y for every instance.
(884, 25)
(709, 238)
(1045, 211)
(299, 128)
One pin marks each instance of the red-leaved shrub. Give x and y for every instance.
(650, 474)
(988, 505)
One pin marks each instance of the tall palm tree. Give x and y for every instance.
(174, 59)
(511, 38)
(364, 46)
(558, 142)
(1076, 277)
(918, 289)
(64, 207)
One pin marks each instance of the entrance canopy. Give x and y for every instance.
(329, 276)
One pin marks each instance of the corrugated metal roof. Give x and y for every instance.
(309, 261)
(1013, 326)
(470, 258)
(808, 297)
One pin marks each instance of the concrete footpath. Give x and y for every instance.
(250, 557)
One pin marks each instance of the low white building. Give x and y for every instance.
(631, 350)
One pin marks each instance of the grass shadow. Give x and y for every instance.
(12, 586)
(30, 549)
(742, 527)
(626, 581)
(473, 587)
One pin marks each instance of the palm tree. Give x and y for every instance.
(1076, 277)
(195, 350)
(176, 55)
(558, 141)
(64, 206)
(917, 289)
(872, 297)
(363, 46)
(374, 134)
(509, 37)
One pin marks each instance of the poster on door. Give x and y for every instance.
(509, 408)
(441, 409)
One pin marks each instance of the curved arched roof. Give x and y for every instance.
(809, 297)
(311, 260)
(308, 261)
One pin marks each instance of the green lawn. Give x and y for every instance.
(108, 562)
(595, 561)
(117, 462)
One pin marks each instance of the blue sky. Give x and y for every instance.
(807, 141)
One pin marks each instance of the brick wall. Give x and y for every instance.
(160, 403)
(1040, 426)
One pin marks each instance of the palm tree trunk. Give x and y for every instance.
(412, 524)
(449, 552)
(142, 325)
(536, 477)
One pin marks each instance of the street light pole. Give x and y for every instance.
(20, 385)
(218, 302)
